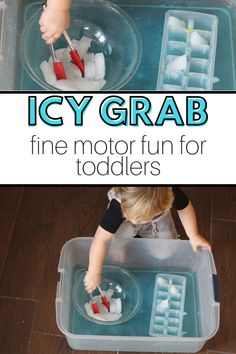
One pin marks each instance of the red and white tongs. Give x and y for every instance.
(105, 302)
(94, 305)
(74, 54)
(104, 299)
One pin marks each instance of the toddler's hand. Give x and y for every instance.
(199, 241)
(91, 281)
(53, 23)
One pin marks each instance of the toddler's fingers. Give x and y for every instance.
(207, 246)
(52, 39)
(48, 34)
(89, 289)
(195, 247)
(43, 28)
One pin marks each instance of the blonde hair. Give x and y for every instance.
(144, 203)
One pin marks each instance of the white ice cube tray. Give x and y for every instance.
(168, 305)
(196, 55)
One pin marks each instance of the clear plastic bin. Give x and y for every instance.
(2, 16)
(145, 254)
(188, 51)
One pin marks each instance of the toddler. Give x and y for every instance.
(141, 212)
(55, 19)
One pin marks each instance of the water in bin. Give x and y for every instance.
(112, 32)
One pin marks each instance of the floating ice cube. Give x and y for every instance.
(113, 308)
(72, 71)
(107, 316)
(102, 308)
(66, 85)
(175, 23)
(48, 73)
(197, 39)
(94, 69)
(216, 80)
(115, 305)
(82, 46)
(89, 66)
(61, 54)
(109, 293)
(97, 299)
(118, 305)
(99, 66)
(89, 309)
(89, 85)
(103, 315)
(67, 56)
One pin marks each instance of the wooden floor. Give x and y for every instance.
(35, 222)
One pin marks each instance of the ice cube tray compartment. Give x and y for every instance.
(168, 305)
(188, 49)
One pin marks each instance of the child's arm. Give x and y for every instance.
(189, 221)
(96, 256)
(55, 19)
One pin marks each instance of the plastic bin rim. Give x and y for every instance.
(64, 247)
(90, 238)
(138, 240)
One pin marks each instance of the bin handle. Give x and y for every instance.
(216, 287)
(58, 291)
(212, 263)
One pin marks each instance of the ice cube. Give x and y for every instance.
(66, 58)
(60, 54)
(197, 39)
(48, 73)
(72, 71)
(89, 66)
(162, 305)
(89, 85)
(113, 308)
(118, 305)
(178, 65)
(66, 85)
(102, 308)
(97, 299)
(162, 282)
(175, 23)
(108, 293)
(100, 68)
(82, 46)
(216, 80)
(174, 290)
(89, 309)
(107, 316)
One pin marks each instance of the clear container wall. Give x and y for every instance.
(143, 254)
